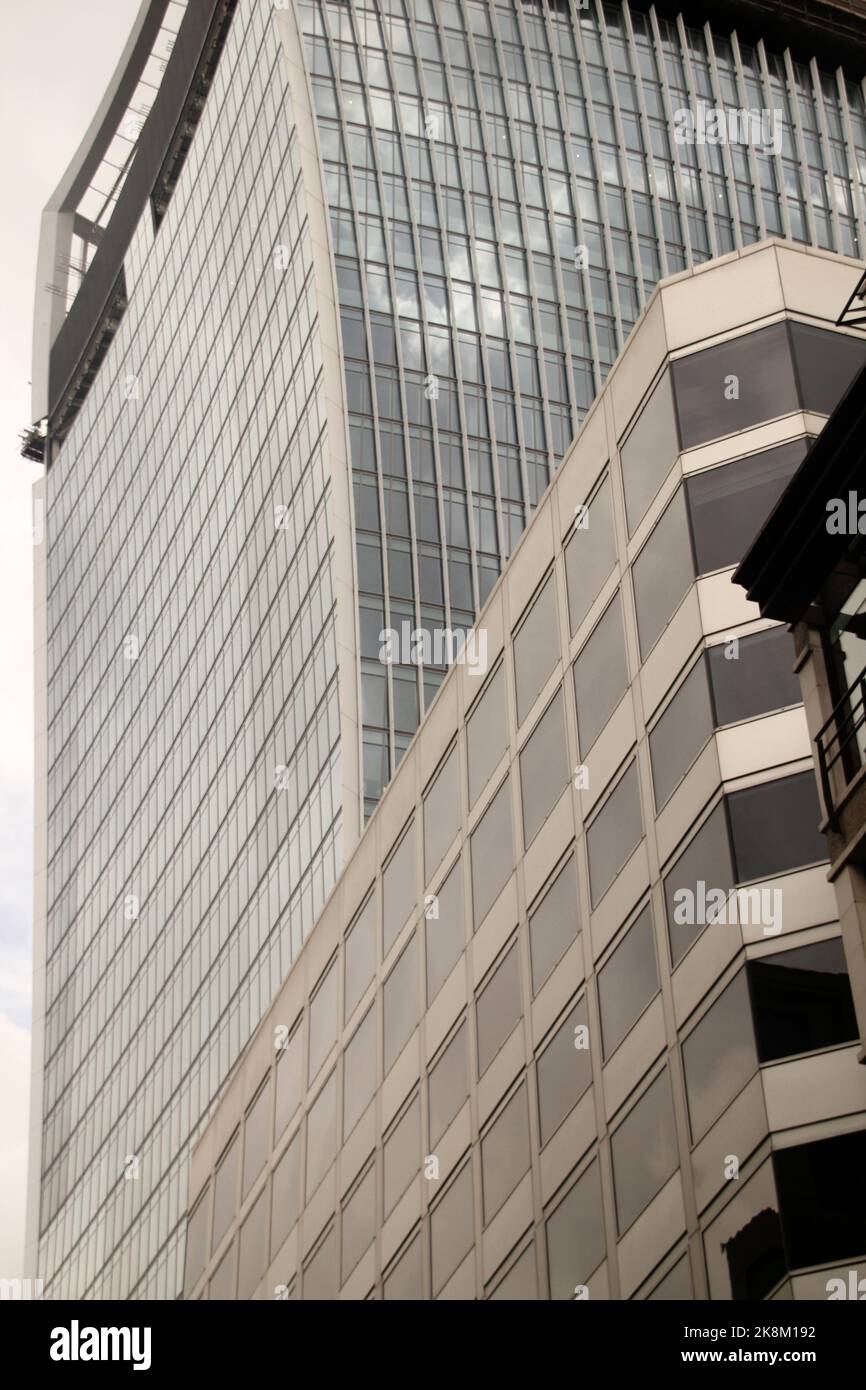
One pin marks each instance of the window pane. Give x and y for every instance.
(681, 733)
(600, 675)
(359, 1072)
(815, 1182)
(544, 770)
(445, 932)
(627, 982)
(289, 1081)
(729, 505)
(649, 452)
(563, 1070)
(536, 649)
(256, 1136)
(359, 1222)
(662, 573)
(735, 385)
(492, 854)
(505, 1153)
(774, 827)
(360, 954)
(802, 1000)
(322, 1134)
(323, 1021)
(827, 363)
(405, 1281)
(222, 1285)
(486, 735)
(401, 1003)
(441, 814)
(520, 1284)
(448, 1086)
(614, 834)
(644, 1152)
(196, 1242)
(759, 679)
(402, 1155)
(452, 1228)
(675, 1286)
(253, 1247)
(553, 925)
(704, 866)
(286, 1194)
(719, 1056)
(498, 1009)
(225, 1193)
(590, 555)
(575, 1236)
(399, 891)
(320, 1273)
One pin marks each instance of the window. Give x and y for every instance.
(492, 853)
(644, 1152)
(735, 385)
(359, 1071)
(253, 1247)
(563, 1071)
(441, 814)
(399, 892)
(222, 1285)
(448, 1086)
(827, 363)
(498, 1008)
(486, 735)
(322, 1134)
(815, 1182)
(681, 733)
(400, 999)
(520, 1284)
(323, 1020)
(648, 452)
(286, 1194)
(553, 925)
(575, 1235)
(360, 954)
(320, 1271)
(627, 982)
(404, 1281)
(196, 1242)
(759, 679)
(225, 1192)
(444, 931)
(802, 1000)
(536, 649)
(729, 505)
(289, 1081)
(719, 1056)
(600, 675)
(544, 768)
(505, 1153)
(452, 1228)
(662, 573)
(590, 555)
(402, 1150)
(774, 827)
(359, 1222)
(676, 1285)
(614, 834)
(257, 1127)
(705, 865)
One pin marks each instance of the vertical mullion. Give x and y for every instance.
(623, 158)
(702, 163)
(750, 153)
(801, 149)
(645, 127)
(857, 201)
(826, 153)
(777, 158)
(666, 100)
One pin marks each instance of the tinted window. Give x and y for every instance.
(402, 1155)
(492, 854)
(498, 1009)
(323, 1020)
(553, 925)
(257, 1128)
(404, 1282)
(675, 1286)
(225, 1193)
(662, 573)
(774, 827)
(627, 982)
(644, 1152)
(735, 385)
(222, 1285)
(452, 1228)
(286, 1194)
(359, 1071)
(359, 1222)
(289, 1081)
(563, 1071)
(815, 1182)
(575, 1236)
(398, 889)
(444, 931)
(448, 1086)
(681, 732)
(649, 452)
(441, 814)
(400, 1004)
(802, 1000)
(505, 1153)
(536, 649)
(590, 555)
(759, 679)
(827, 363)
(196, 1242)
(253, 1247)
(486, 735)
(322, 1134)
(729, 505)
(600, 675)
(320, 1272)
(719, 1056)
(360, 954)
(544, 769)
(520, 1284)
(704, 865)
(614, 834)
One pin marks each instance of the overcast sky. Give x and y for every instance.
(56, 57)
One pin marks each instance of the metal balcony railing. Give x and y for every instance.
(839, 742)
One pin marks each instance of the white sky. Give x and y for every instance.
(56, 57)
